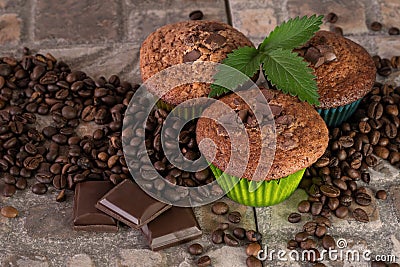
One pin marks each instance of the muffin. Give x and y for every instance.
(345, 74)
(187, 41)
(301, 138)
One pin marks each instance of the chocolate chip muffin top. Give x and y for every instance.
(188, 41)
(301, 135)
(345, 71)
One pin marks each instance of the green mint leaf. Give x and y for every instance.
(292, 33)
(291, 74)
(246, 60)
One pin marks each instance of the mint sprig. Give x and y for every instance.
(285, 69)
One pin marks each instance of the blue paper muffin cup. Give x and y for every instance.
(268, 193)
(335, 116)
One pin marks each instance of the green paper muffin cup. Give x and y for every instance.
(181, 112)
(267, 194)
(335, 116)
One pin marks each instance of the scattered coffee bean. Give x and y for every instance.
(363, 199)
(376, 26)
(316, 208)
(252, 249)
(360, 215)
(239, 233)
(328, 242)
(253, 236)
(204, 261)
(302, 236)
(195, 249)
(341, 212)
(39, 189)
(61, 196)
(230, 240)
(294, 217)
(304, 206)
(217, 236)
(9, 212)
(252, 261)
(329, 190)
(292, 244)
(219, 208)
(234, 217)
(196, 15)
(394, 31)
(381, 194)
(331, 17)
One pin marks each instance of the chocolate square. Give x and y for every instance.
(128, 203)
(86, 216)
(175, 226)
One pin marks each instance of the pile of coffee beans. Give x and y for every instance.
(40, 88)
(386, 66)
(333, 182)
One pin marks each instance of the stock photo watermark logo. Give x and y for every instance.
(340, 253)
(140, 109)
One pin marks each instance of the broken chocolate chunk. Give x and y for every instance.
(191, 56)
(314, 57)
(215, 40)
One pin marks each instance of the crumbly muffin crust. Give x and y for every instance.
(187, 41)
(301, 135)
(347, 78)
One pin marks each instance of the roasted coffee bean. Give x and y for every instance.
(253, 236)
(364, 127)
(9, 190)
(294, 217)
(330, 190)
(320, 231)
(234, 217)
(204, 261)
(60, 139)
(314, 191)
(9, 212)
(371, 161)
(316, 208)
(21, 183)
(32, 163)
(302, 236)
(345, 200)
(376, 26)
(341, 212)
(381, 194)
(375, 110)
(44, 177)
(360, 215)
(9, 179)
(339, 183)
(195, 249)
(252, 261)
(308, 244)
(310, 227)
(220, 208)
(333, 203)
(394, 31)
(217, 236)
(61, 196)
(60, 181)
(381, 152)
(328, 242)
(252, 249)
(346, 141)
(363, 199)
(331, 17)
(304, 206)
(239, 233)
(391, 130)
(230, 240)
(39, 189)
(292, 244)
(196, 15)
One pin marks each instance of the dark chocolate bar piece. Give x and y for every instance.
(86, 216)
(128, 203)
(175, 226)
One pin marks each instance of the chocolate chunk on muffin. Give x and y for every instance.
(301, 138)
(345, 74)
(188, 41)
